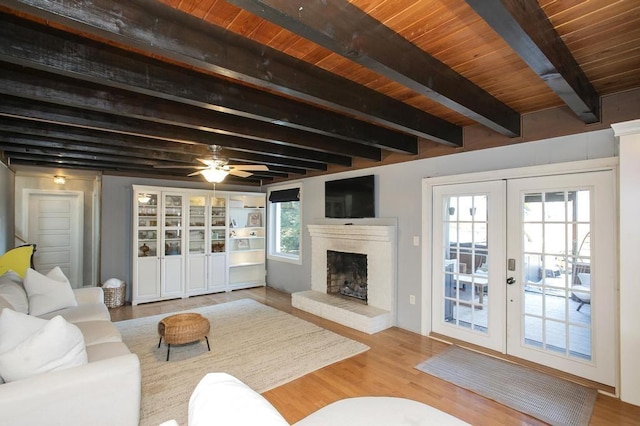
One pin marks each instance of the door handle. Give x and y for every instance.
(511, 280)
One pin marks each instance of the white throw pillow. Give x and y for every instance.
(16, 327)
(12, 290)
(48, 293)
(222, 399)
(56, 346)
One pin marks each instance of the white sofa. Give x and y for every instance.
(221, 399)
(104, 391)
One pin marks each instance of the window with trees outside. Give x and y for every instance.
(285, 224)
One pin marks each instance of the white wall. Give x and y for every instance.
(629, 134)
(399, 193)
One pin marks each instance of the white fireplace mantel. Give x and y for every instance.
(378, 243)
(358, 232)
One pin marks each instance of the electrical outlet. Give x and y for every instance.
(412, 299)
(416, 241)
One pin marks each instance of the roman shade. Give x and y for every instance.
(285, 195)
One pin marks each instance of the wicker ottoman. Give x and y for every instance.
(183, 328)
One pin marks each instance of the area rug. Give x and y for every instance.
(260, 345)
(547, 398)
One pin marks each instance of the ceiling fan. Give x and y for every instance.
(216, 168)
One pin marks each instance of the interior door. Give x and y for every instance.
(561, 304)
(55, 226)
(468, 275)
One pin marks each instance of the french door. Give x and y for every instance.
(527, 267)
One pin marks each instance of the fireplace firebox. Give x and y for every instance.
(347, 275)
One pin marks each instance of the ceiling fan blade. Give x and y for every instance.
(254, 167)
(239, 173)
(209, 162)
(195, 173)
(160, 166)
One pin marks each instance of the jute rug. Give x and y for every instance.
(260, 345)
(550, 399)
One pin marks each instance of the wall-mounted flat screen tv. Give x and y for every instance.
(350, 198)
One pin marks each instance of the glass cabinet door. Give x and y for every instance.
(218, 224)
(196, 219)
(147, 209)
(173, 225)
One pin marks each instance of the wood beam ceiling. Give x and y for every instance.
(526, 28)
(348, 31)
(161, 30)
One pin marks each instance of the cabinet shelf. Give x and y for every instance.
(239, 265)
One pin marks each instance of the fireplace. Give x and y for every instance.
(376, 243)
(347, 274)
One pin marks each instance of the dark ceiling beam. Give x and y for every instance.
(55, 153)
(95, 149)
(29, 110)
(348, 31)
(527, 29)
(32, 45)
(85, 136)
(148, 25)
(132, 170)
(77, 134)
(60, 90)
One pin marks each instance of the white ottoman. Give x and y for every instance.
(379, 410)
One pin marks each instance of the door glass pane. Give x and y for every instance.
(556, 270)
(466, 296)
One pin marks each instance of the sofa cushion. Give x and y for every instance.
(96, 332)
(80, 313)
(103, 351)
(12, 291)
(58, 345)
(48, 293)
(16, 327)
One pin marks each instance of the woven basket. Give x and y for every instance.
(114, 297)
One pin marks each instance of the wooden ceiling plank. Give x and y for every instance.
(164, 31)
(526, 28)
(108, 66)
(347, 30)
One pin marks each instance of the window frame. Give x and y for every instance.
(273, 216)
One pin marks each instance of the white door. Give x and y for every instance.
(561, 305)
(527, 267)
(468, 277)
(55, 221)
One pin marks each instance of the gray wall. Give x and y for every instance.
(116, 222)
(7, 199)
(399, 195)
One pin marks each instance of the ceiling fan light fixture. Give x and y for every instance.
(214, 175)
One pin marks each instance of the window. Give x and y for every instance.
(285, 230)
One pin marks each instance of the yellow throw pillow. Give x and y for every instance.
(17, 260)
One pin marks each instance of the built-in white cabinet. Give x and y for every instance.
(190, 242)
(246, 240)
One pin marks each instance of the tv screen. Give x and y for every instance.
(350, 198)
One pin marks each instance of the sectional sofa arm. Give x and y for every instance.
(89, 295)
(105, 392)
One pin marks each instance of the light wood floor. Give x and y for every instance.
(387, 369)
